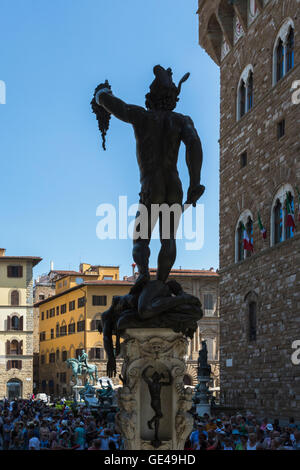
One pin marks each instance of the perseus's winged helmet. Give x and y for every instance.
(163, 91)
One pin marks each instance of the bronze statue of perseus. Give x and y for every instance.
(158, 132)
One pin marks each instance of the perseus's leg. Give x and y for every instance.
(167, 254)
(168, 225)
(143, 228)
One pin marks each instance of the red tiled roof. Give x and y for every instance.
(35, 259)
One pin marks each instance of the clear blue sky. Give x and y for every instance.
(54, 172)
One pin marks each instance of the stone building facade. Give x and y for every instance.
(256, 43)
(203, 284)
(16, 325)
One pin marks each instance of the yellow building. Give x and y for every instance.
(68, 322)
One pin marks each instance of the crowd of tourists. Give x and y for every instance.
(240, 432)
(35, 425)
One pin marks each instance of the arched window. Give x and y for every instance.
(15, 323)
(240, 242)
(250, 91)
(245, 96)
(242, 96)
(244, 236)
(252, 321)
(14, 347)
(278, 232)
(283, 53)
(14, 298)
(289, 217)
(290, 50)
(283, 215)
(249, 230)
(14, 389)
(57, 330)
(280, 61)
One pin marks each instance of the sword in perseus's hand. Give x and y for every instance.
(103, 116)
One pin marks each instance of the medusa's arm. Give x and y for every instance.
(121, 110)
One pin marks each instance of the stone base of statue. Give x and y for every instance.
(153, 401)
(202, 409)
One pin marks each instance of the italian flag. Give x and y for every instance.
(262, 229)
(298, 204)
(290, 219)
(247, 242)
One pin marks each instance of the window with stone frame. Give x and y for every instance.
(80, 325)
(81, 302)
(64, 355)
(290, 50)
(250, 91)
(245, 95)
(96, 353)
(209, 305)
(283, 52)
(57, 355)
(42, 336)
(280, 61)
(71, 328)
(52, 357)
(15, 298)
(240, 242)
(96, 325)
(99, 300)
(252, 306)
(15, 323)
(57, 330)
(63, 309)
(71, 305)
(289, 230)
(278, 228)
(63, 330)
(242, 99)
(14, 271)
(249, 230)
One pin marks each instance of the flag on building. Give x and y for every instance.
(290, 218)
(298, 204)
(246, 240)
(262, 229)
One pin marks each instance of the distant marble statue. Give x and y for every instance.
(155, 384)
(203, 367)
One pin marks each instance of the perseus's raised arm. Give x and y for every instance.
(118, 108)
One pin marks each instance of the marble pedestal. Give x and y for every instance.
(164, 350)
